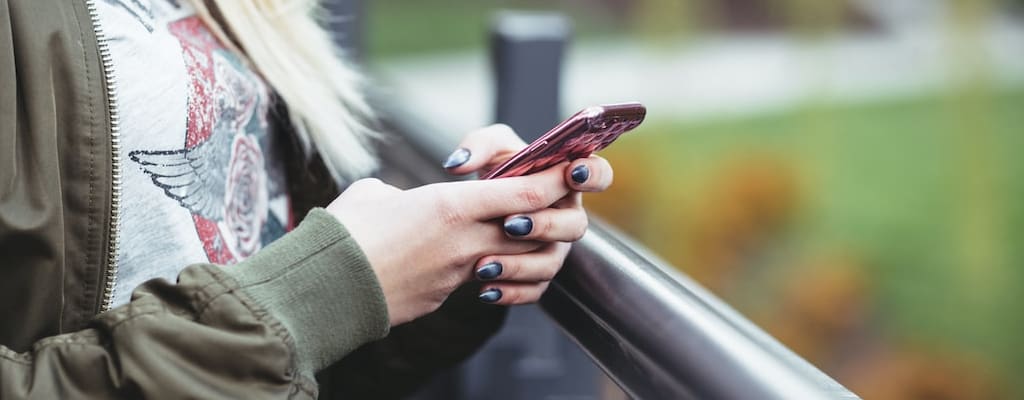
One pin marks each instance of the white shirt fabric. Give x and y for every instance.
(200, 183)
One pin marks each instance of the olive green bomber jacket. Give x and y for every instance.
(256, 330)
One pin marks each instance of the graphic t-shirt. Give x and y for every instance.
(200, 180)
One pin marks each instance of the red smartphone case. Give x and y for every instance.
(587, 131)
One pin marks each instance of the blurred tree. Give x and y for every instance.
(913, 372)
(660, 18)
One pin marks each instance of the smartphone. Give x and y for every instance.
(587, 131)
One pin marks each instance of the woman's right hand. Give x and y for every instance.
(422, 243)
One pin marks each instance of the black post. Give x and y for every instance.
(526, 51)
(530, 358)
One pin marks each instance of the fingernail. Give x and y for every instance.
(457, 158)
(490, 295)
(519, 226)
(489, 271)
(580, 173)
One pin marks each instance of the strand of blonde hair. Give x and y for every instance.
(284, 42)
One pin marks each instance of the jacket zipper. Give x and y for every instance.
(110, 275)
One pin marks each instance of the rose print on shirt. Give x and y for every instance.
(220, 175)
(245, 201)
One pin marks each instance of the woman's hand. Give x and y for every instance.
(423, 242)
(517, 278)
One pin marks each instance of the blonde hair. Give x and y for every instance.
(284, 42)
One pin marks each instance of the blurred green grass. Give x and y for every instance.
(915, 206)
(927, 194)
(398, 28)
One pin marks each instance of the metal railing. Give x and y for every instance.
(655, 332)
(660, 335)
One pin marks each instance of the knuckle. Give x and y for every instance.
(365, 183)
(514, 296)
(447, 208)
(459, 253)
(551, 271)
(580, 227)
(513, 269)
(544, 226)
(471, 257)
(460, 256)
(503, 129)
(369, 181)
(450, 286)
(532, 196)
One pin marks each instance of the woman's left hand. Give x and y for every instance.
(523, 278)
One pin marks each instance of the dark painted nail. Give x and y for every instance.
(490, 295)
(580, 173)
(489, 271)
(519, 226)
(457, 158)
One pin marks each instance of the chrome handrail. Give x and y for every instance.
(654, 331)
(661, 335)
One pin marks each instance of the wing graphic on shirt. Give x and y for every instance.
(142, 13)
(194, 177)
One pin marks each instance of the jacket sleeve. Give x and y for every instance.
(413, 353)
(256, 330)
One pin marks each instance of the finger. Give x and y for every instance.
(497, 243)
(497, 198)
(548, 225)
(591, 174)
(482, 148)
(512, 293)
(537, 266)
(571, 200)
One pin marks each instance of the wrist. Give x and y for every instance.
(319, 284)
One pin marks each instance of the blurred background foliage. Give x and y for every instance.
(879, 236)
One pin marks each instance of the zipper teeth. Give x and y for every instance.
(115, 147)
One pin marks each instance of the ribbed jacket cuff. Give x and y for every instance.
(319, 284)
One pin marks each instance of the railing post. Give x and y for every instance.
(526, 55)
(530, 358)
